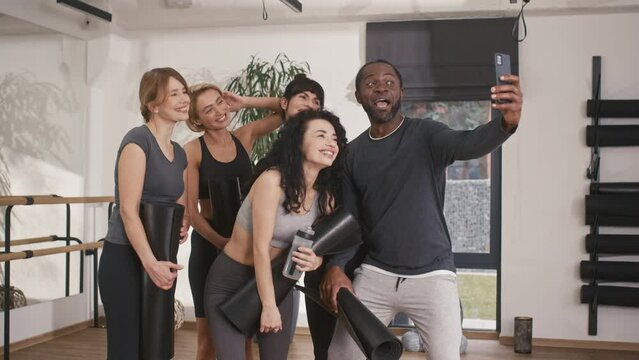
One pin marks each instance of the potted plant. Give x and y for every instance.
(263, 78)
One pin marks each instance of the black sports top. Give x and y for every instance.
(211, 169)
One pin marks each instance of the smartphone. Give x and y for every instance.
(502, 67)
(303, 237)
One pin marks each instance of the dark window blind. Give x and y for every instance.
(444, 60)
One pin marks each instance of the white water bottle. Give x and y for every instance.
(303, 237)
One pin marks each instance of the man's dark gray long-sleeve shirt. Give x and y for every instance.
(395, 188)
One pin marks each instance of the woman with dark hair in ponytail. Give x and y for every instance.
(296, 183)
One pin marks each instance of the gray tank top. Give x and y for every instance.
(163, 179)
(286, 225)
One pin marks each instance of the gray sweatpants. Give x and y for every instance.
(225, 277)
(432, 303)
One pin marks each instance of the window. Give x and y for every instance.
(467, 209)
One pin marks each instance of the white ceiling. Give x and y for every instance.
(132, 15)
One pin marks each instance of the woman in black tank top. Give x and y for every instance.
(216, 155)
(223, 155)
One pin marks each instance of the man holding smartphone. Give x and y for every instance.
(396, 175)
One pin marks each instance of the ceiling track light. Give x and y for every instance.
(89, 9)
(295, 5)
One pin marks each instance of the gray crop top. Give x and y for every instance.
(286, 225)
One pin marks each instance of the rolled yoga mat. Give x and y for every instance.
(612, 210)
(162, 224)
(613, 108)
(613, 244)
(609, 271)
(370, 334)
(626, 188)
(226, 198)
(612, 135)
(243, 309)
(335, 233)
(610, 295)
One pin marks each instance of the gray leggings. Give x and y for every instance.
(225, 277)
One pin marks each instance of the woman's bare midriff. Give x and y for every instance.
(240, 247)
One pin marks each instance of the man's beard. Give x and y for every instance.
(376, 118)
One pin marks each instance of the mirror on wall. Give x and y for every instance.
(43, 100)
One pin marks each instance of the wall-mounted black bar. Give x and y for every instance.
(612, 135)
(610, 295)
(592, 172)
(613, 244)
(609, 271)
(596, 78)
(612, 210)
(613, 108)
(614, 188)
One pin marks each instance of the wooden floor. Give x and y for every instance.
(89, 344)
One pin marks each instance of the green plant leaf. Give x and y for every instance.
(263, 78)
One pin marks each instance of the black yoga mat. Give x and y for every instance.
(314, 295)
(613, 244)
(612, 210)
(243, 309)
(626, 188)
(226, 198)
(613, 108)
(609, 271)
(372, 336)
(162, 224)
(335, 233)
(612, 135)
(610, 295)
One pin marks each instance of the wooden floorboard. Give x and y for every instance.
(90, 344)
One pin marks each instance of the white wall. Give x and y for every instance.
(544, 182)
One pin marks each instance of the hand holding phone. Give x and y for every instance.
(502, 67)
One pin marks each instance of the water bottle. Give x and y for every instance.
(303, 237)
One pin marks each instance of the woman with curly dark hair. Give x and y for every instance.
(296, 183)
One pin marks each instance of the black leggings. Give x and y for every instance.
(203, 253)
(320, 323)
(120, 278)
(225, 278)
